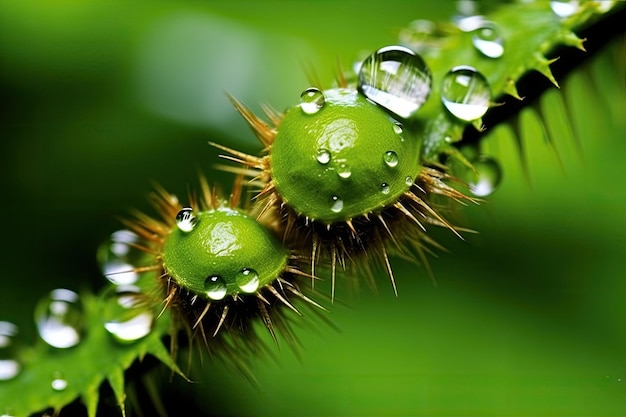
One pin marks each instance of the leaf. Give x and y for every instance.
(98, 357)
(531, 34)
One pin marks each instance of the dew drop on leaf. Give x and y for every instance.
(58, 383)
(384, 188)
(391, 159)
(465, 93)
(487, 177)
(395, 78)
(488, 41)
(247, 280)
(119, 256)
(323, 156)
(59, 318)
(125, 316)
(398, 128)
(311, 100)
(337, 204)
(9, 365)
(215, 287)
(185, 220)
(343, 170)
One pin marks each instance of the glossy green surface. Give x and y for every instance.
(102, 98)
(224, 244)
(347, 159)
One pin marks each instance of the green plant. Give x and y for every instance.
(442, 139)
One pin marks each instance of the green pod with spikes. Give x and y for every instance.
(344, 158)
(531, 35)
(222, 252)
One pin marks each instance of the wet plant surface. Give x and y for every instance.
(524, 317)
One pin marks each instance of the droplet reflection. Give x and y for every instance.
(9, 365)
(465, 93)
(126, 317)
(59, 318)
(487, 177)
(247, 280)
(488, 41)
(312, 100)
(215, 287)
(397, 79)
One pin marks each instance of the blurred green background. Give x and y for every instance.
(528, 317)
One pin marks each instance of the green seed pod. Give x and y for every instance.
(221, 269)
(345, 159)
(224, 252)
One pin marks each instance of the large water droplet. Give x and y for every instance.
(248, 280)
(391, 159)
(126, 316)
(396, 78)
(215, 287)
(312, 100)
(398, 128)
(337, 204)
(488, 41)
(408, 181)
(565, 8)
(465, 93)
(58, 383)
(59, 318)
(185, 220)
(9, 366)
(323, 156)
(119, 256)
(487, 177)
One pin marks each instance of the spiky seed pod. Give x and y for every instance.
(220, 271)
(346, 181)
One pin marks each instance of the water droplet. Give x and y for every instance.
(185, 220)
(391, 159)
(59, 318)
(398, 128)
(59, 383)
(215, 287)
(9, 366)
(408, 181)
(337, 204)
(465, 93)
(384, 188)
(311, 100)
(248, 280)
(323, 156)
(487, 177)
(118, 257)
(488, 41)
(565, 8)
(125, 314)
(396, 78)
(343, 170)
